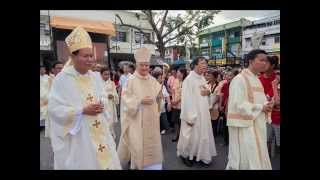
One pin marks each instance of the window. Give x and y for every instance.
(261, 25)
(276, 22)
(237, 33)
(146, 37)
(121, 36)
(138, 36)
(263, 42)
(204, 52)
(269, 24)
(277, 39)
(248, 42)
(217, 50)
(47, 32)
(204, 41)
(42, 26)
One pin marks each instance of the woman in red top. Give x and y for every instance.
(223, 102)
(269, 75)
(275, 115)
(270, 80)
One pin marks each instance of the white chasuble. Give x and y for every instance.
(79, 141)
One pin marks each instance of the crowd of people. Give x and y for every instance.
(81, 102)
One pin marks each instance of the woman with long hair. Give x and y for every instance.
(176, 100)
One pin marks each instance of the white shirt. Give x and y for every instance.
(165, 95)
(124, 79)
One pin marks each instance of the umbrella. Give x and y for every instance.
(179, 62)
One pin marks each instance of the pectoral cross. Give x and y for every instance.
(90, 98)
(101, 147)
(96, 124)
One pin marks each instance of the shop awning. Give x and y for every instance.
(102, 27)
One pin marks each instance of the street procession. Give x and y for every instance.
(160, 90)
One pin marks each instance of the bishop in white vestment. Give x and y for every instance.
(79, 133)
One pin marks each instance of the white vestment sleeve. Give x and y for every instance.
(77, 126)
(188, 110)
(131, 103)
(60, 108)
(238, 101)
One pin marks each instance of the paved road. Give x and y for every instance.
(171, 161)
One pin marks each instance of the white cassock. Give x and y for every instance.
(111, 106)
(247, 124)
(79, 141)
(197, 140)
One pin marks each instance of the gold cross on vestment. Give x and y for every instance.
(90, 98)
(101, 147)
(96, 124)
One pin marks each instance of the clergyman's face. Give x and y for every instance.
(201, 66)
(143, 68)
(84, 59)
(259, 63)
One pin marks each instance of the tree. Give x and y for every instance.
(181, 28)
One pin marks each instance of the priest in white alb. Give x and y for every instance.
(79, 133)
(113, 99)
(247, 117)
(140, 141)
(196, 136)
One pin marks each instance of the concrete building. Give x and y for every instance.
(111, 48)
(271, 39)
(222, 44)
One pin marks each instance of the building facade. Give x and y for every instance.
(46, 54)
(271, 39)
(120, 47)
(222, 44)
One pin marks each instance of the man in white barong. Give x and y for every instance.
(79, 133)
(247, 117)
(196, 136)
(140, 140)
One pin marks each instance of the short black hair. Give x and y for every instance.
(184, 72)
(132, 66)
(75, 52)
(253, 53)
(273, 60)
(214, 73)
(104, 69)
(197, 59)
(55, 63)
